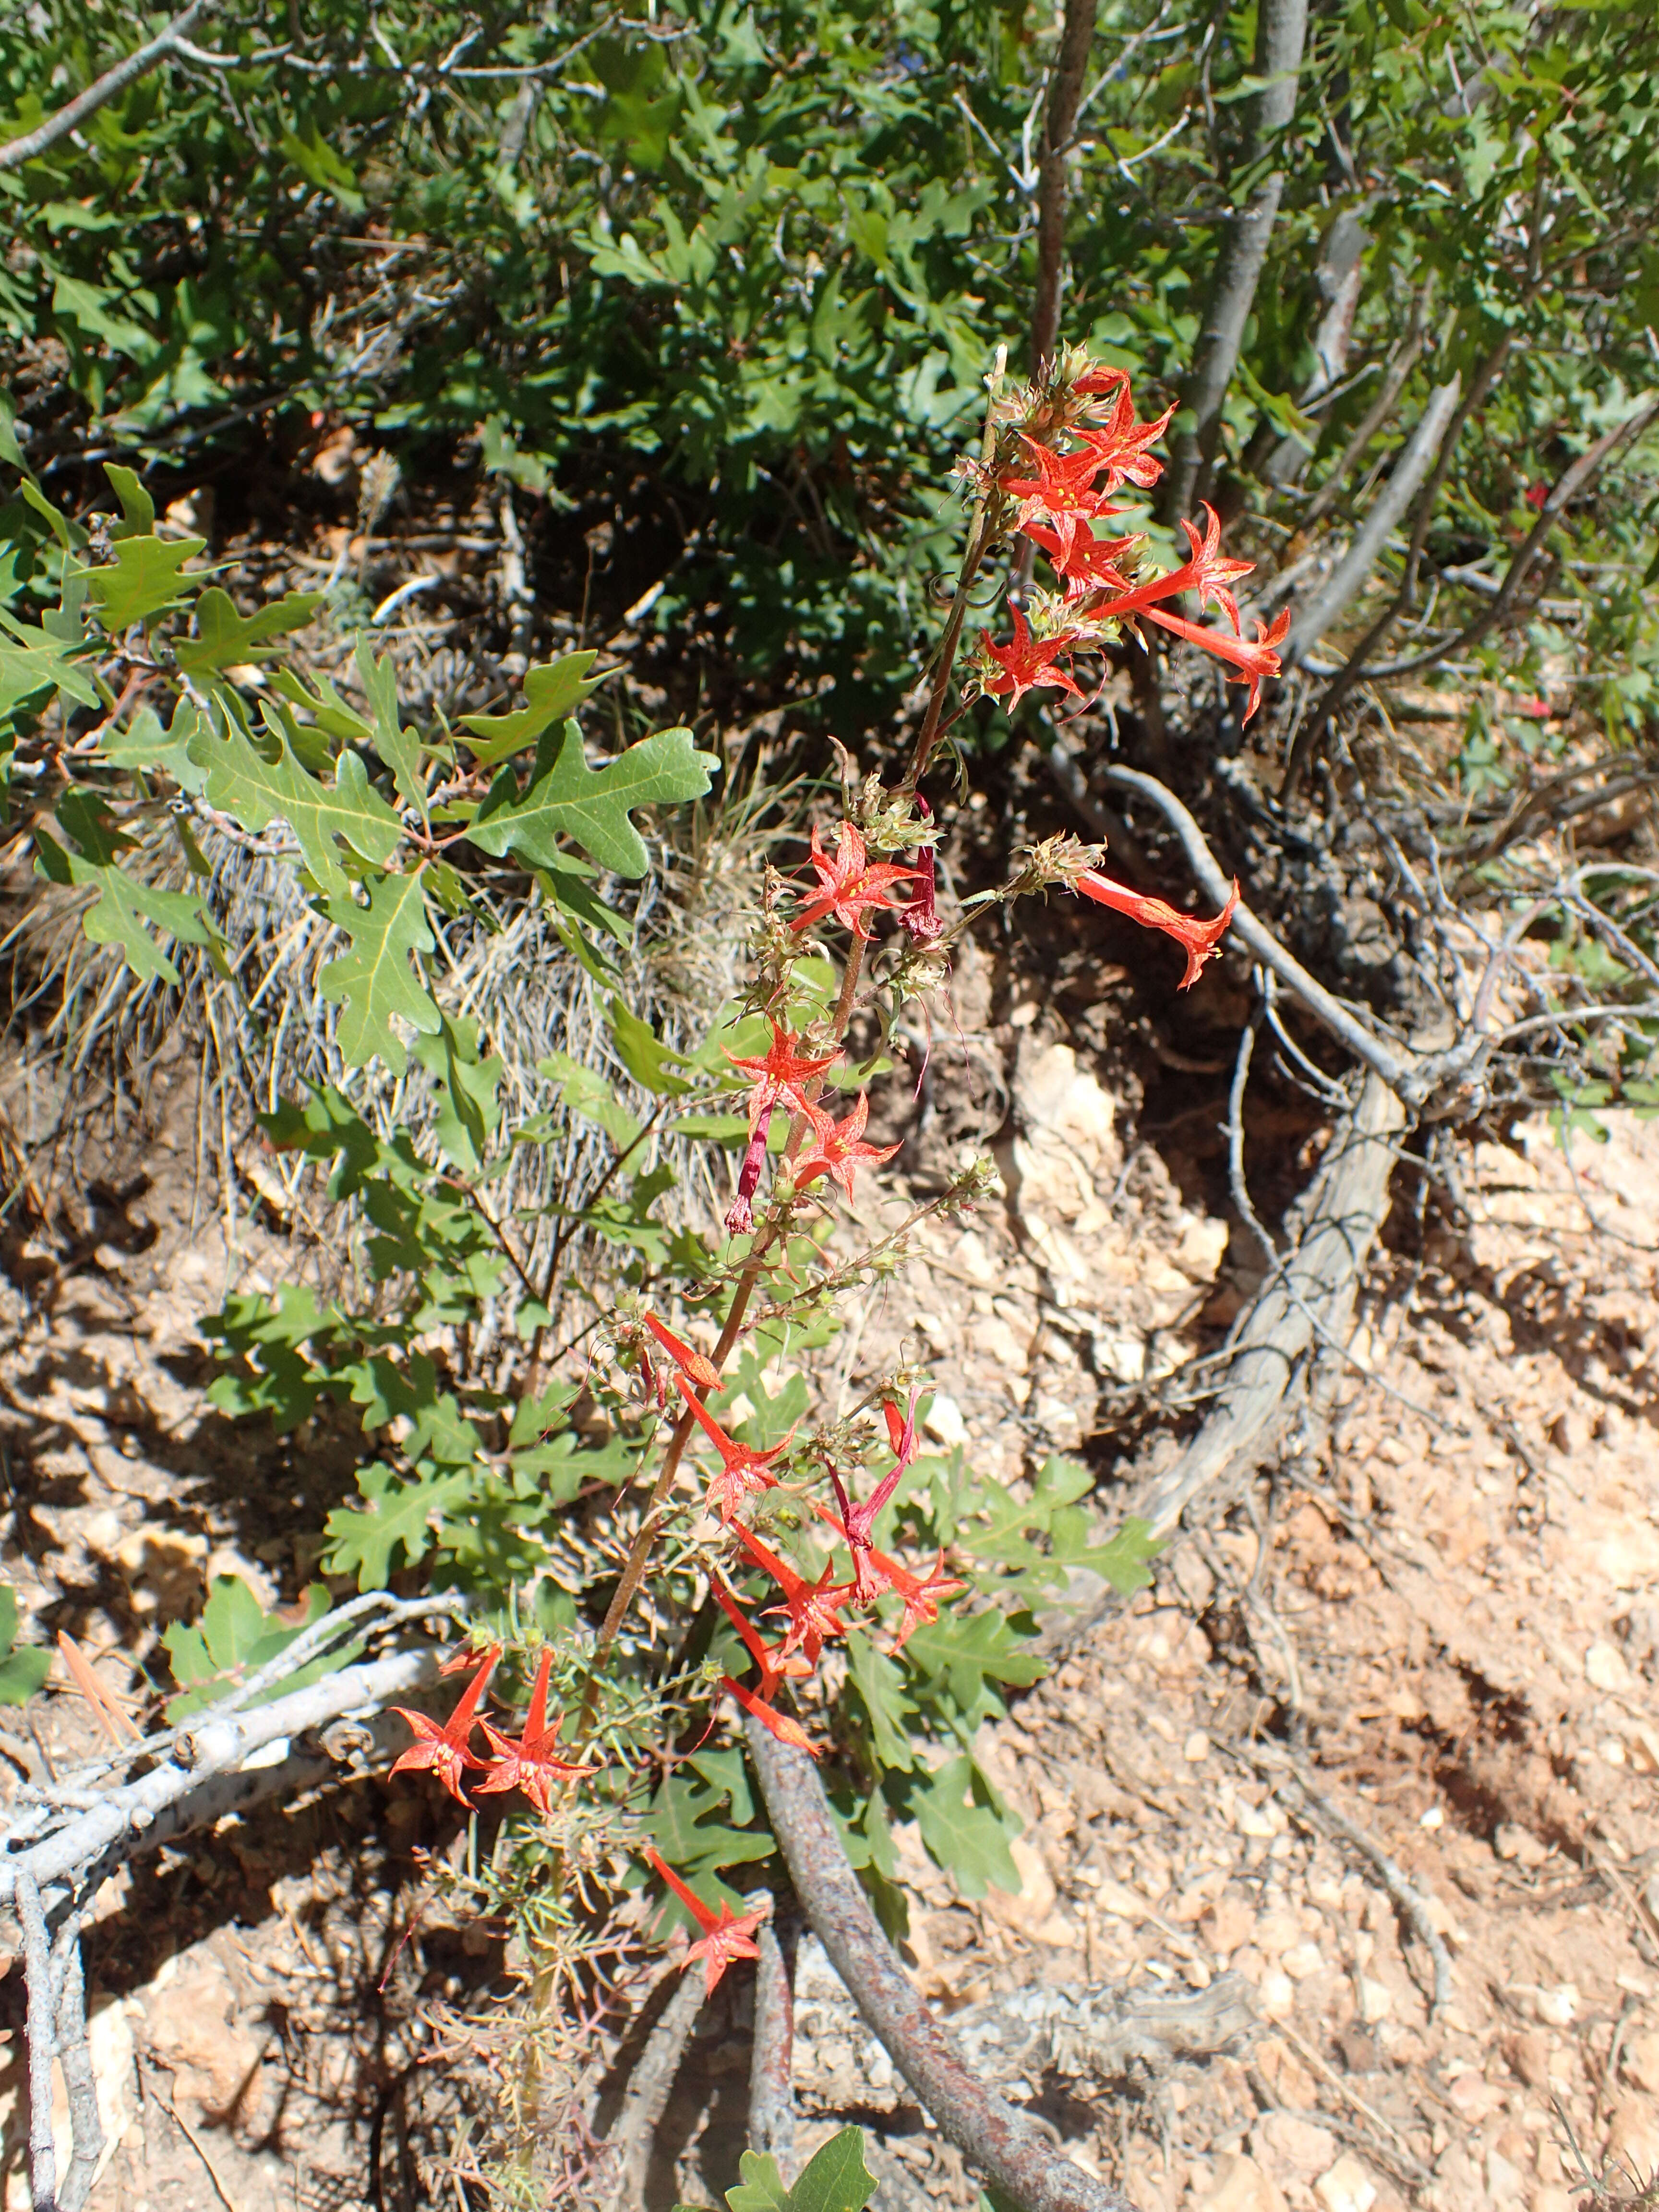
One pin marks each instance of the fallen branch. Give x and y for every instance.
(1421, 1080)
(1004, 2142)
(33, 143)
(1310, 1297)
(1104, 2036)
(649, 2086)
(199, 1780)
(771, 2070)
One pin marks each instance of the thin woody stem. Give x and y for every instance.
(979, 545)
(632, 1573)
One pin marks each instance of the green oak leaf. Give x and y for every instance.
(968, 1649)
(964, 1831)
(33, 660)
(138, 507)
(225, 639)
(258, 788)
(234, 1639)
(397, 1514)
(836, 2179)
(642, 1052)
(469, 1112)
(376, 980)
(144, 747)
(143, 580)
(126, 904)
(880, 1686)
(566, 797)
(551, 691)
(22, 1670)
(399, 748)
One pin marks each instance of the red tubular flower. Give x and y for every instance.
(1256, 659)
(857, 1521)
(841, 1150)
(532, 1764)
(1206, 571)
(691, 1363)
(725, 1936)
(780, 1074)
(814, 1609)
(782, 1726)
(445, 1751)
(1092, 563)
(776, 1661)
(920, 1594)
(851, 885)
(1027, 664)
(1199, 937)
(743, 1471)
(740, 1214)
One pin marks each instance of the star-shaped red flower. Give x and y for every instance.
(1026, 663)
(1206, 570)
(726, 1935)
(852, 885)
(1118, 444)
(1060, 491)
(780, 1075)
(532, 1764)
(742, 1470)
(814, 1609)
(839, 1150)
(446, 1751)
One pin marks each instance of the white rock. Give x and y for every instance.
(943, 1421)
(1376, 2003)
(1605, 1668)
(1277, 1993)
(1346, 2187)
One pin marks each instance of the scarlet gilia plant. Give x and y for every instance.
(834, 1580)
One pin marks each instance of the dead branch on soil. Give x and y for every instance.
(63, 1840)
(1102, 2036)
(1308, 1297)
(1002, 2141)
(771, 2070)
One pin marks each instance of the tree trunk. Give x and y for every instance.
(1281, 35)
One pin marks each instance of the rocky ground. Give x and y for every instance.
(1397, 1710)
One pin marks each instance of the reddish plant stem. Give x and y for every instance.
(639, 1554)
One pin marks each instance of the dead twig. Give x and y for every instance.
(46, 135)
(649, 2086)
(1002, 2142)
(40, 2035)
(771, 2070)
